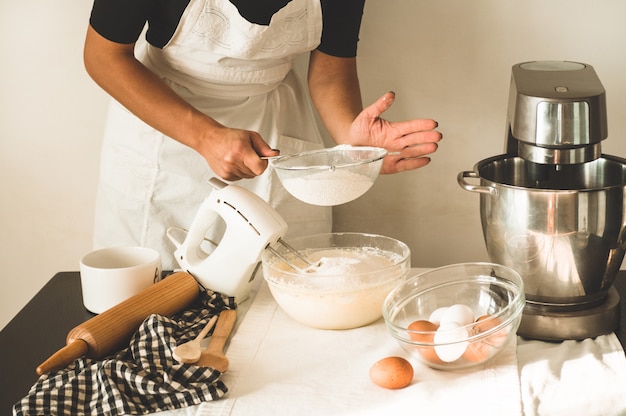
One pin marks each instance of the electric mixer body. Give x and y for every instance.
(251, 226)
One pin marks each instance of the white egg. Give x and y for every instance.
(450, 339)
(435, 317)
(461, 314)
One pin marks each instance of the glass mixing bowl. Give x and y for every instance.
(347, 290)
(330, 176)
(456, 316)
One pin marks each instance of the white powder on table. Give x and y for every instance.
(328, 187)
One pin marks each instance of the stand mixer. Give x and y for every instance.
(553, 206)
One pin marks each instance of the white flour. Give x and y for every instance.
(328, 187)
(347, 262)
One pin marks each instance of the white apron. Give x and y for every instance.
(240, 74)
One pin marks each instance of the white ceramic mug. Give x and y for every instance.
(111, 275)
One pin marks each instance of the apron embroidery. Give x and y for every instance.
(214, 26)
(286, 34)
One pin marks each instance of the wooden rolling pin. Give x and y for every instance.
(108, 332)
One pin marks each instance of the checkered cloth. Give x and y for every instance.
(142, 378)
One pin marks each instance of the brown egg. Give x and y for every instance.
(477, 351)
(486, 322)
(480, 350)
(392, 373)
(425, 334)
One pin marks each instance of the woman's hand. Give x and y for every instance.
(410, 142)
(233, 154)
(334, 87)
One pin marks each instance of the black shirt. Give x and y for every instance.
(122, 21)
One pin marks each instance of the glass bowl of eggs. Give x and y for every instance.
(332, 176)
(457, 316)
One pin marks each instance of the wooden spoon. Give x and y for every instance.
(213, 356)
(190, 351)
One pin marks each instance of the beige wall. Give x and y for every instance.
(51, 120)
(450, 60)
(446, 59)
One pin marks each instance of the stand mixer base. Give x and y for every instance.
(559, 326)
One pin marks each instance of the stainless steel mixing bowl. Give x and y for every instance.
(563, 228)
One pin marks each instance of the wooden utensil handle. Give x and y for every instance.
(206, 328)
(105, 333)
(223, 327)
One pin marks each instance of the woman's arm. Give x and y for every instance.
(231, 153)
(336, 94)
(334, 87)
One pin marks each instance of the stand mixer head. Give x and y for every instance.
(556, 113)
(251, 226)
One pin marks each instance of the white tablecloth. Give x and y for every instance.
(573, 377)
(280, 367)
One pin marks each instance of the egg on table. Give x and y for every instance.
(392, 373)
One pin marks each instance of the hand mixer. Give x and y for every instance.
(252, 226)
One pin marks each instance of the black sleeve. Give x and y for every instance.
(120, 21)
(342, 22)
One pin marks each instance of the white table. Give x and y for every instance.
(280, 367)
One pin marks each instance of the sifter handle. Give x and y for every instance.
(222, 331)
